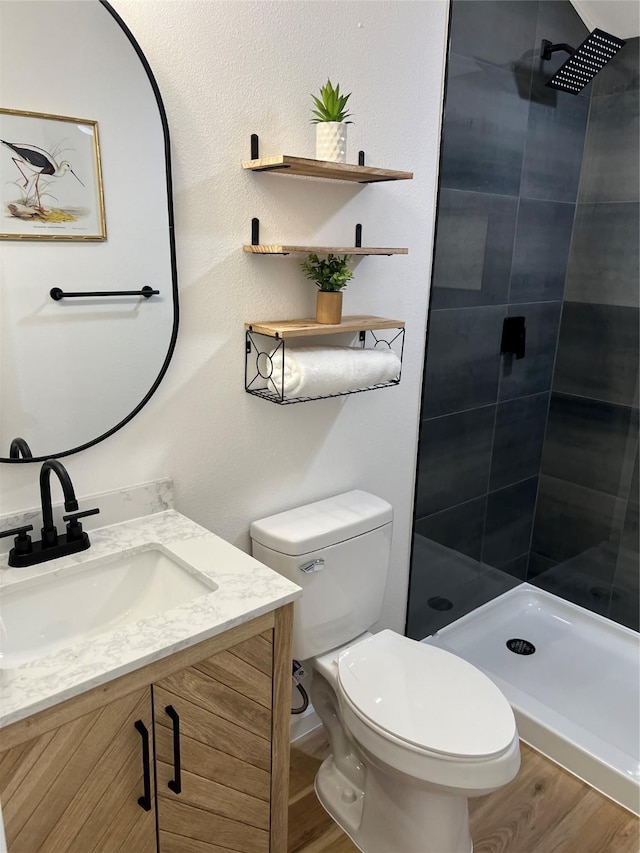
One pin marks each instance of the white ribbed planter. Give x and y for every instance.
(331, 141)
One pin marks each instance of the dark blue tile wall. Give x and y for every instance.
(509, 523)
(606, 368)
(626, 582)
(611, 155)
(551, 169)
(543, 238)
(485, 225)
(498, 31)
(459, 528)
(463, 359)
(509, 180)
(528, 226)
(604, 263)
(585, 540)
(518, 439)
(571, 520)
(485, 128)
(454, 459)
(587, 443)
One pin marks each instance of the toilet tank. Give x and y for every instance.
(350, 537)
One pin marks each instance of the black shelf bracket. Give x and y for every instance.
(255, 155)
(358, 236)
(255, 231)
(360, 158)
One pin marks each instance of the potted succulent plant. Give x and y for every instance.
(331, 274)
(330, 116)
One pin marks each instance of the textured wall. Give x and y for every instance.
(226, 70)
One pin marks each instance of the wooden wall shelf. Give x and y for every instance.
(267, 346)
(285, 164)
(303, 328)
(266, 342)
(278, 249)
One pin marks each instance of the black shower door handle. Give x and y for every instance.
(176, 783)
(145, 801)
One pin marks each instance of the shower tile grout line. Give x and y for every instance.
(487, 405)
(498, 305)
(479, 496)
(595, 399)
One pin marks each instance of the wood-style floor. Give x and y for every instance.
(544, 810)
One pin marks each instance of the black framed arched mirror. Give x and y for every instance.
(76, 369)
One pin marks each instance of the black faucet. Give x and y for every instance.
(27, 553)
(49, 532)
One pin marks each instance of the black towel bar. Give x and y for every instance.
(58, 294)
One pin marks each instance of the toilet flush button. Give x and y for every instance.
(348, 795)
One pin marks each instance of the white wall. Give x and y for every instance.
(619, 17)
(227, 69)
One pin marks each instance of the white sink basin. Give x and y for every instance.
(45, 614)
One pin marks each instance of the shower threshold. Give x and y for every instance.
(576, 697)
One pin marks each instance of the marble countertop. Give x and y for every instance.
(245, 589)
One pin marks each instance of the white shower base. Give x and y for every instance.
(577, 698)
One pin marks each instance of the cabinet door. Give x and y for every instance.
(75, 789)
(223, 706)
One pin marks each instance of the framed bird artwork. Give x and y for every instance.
(50, 178)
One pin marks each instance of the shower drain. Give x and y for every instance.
(521, 647)
(439, 603)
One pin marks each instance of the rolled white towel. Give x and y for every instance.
(320, 371)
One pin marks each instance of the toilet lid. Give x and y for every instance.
(426, 696)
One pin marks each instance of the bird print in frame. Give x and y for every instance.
(50, 178)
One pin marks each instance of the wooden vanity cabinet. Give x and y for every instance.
(75, 788)
(224, 720)
(72, 779)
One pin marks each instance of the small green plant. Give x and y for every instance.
(330, 274)
(331, 106)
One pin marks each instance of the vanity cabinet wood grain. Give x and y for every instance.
(224, 708)
(71, 776)
(74, 789)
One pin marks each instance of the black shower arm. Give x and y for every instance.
(548, 48)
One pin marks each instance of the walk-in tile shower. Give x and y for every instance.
(528, 461)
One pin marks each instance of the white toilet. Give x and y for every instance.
(414, 730)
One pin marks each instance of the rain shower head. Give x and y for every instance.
(584, 63)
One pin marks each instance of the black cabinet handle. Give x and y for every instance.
(145, 801)
(176, 783)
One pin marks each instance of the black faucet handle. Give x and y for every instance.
(74, 528)
(22, 542)
(74, 516)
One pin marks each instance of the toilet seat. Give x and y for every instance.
(425, 699)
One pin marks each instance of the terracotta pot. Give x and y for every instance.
(329, 307)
